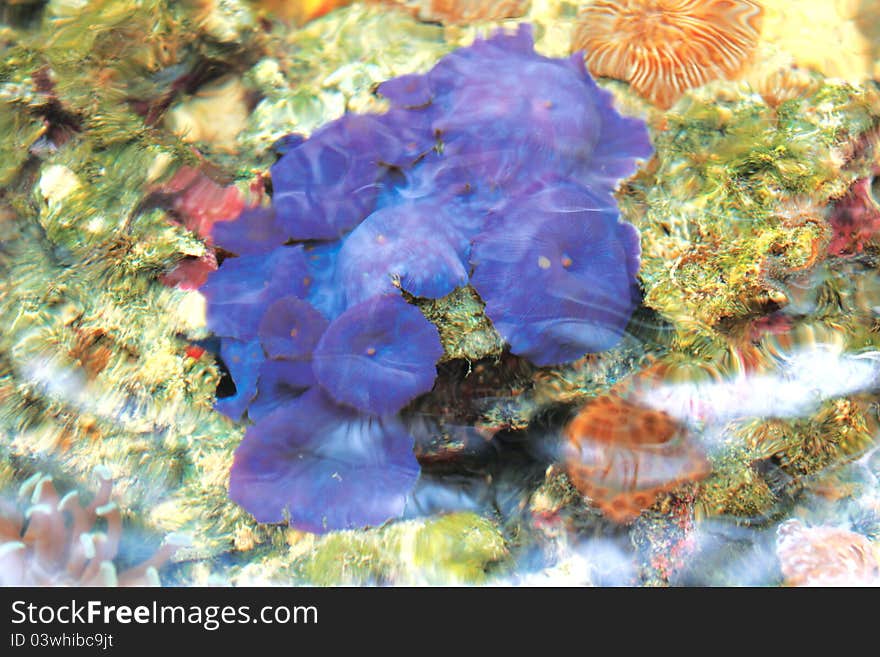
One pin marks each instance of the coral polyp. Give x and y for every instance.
(378, 355)
(324, 466)
(563, 242)
(664, 47)
(623, 456)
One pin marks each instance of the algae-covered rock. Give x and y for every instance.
(465, 331)
(841, 430)
(98, 365)
(735, 487)
(733, 205)
(459, 548)
(214, 115)
(96, 370)
(19, 130)
(90, 199)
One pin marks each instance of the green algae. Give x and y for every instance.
(94, 372)
(90, 200)
(735, 487)
(94, 368)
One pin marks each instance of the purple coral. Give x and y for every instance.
(326, 185)
(256, 231)
(240, 291)
(243, 360)
(559, 241)
(473, 101)
(495, 169)
(378, 355)
(409, 245)
(291, 328)
(278, 382)
(323, 466)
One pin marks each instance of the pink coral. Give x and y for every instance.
(199, 202)
(57, 541)
(825, 556)
(855, 220)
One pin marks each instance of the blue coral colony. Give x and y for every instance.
(495, 169)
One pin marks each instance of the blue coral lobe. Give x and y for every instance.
(495, 169)
(559, 240)
(324, 466)
(378, 355)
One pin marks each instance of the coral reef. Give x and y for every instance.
(285, 270)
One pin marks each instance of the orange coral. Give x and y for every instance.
(825, 556)
(663, 47)
(56, 541)
(623, 455)
(463, 11)
(301, 11)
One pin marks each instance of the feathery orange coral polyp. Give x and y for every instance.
(663, 47)
(623, 455)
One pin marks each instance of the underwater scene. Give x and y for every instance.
(440, 292)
